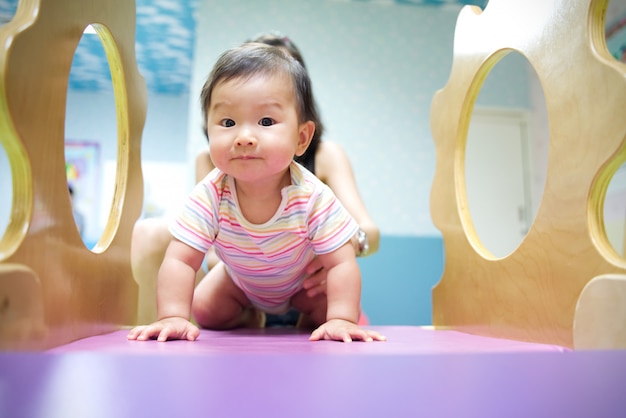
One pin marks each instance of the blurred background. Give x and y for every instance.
(375, 67)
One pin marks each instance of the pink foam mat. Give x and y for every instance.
(401, 340)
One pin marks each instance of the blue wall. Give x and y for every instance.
(398, 280)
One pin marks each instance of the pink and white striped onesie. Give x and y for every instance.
(267, 262)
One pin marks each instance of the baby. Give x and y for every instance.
(266, 215)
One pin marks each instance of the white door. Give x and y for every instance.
(497, 179)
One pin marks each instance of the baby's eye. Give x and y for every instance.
(227, 123)
(266, 122)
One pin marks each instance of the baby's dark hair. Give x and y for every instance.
(277, 39)
(251, 59)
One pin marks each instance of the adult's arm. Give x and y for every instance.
(333, 167)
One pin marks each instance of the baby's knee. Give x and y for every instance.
(203, 316)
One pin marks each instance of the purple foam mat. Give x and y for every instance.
(419, 372)
(401, 340)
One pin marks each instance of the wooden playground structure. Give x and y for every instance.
(564, 285)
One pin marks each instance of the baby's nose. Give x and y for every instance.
(245, 142)
(245, 139)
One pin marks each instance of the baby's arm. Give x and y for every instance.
(176, 282)
(343, 289)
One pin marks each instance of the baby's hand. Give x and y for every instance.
(174, 328)
(346, 331)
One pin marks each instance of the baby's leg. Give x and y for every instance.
(313, 309)
(219, 304)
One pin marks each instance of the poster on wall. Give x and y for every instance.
(82, 167)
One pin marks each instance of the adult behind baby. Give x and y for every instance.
(266, 216)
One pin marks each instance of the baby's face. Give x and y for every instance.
(253, 127)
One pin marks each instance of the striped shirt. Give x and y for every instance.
(267, 262)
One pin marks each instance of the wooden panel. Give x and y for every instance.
(21, 307)
(83, 292)
(600, 320)
(531, 294)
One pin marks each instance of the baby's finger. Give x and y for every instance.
(367, 336)
(147, 333)
(134, 333)
(193, 333)
(359, 334)
(315, 335)
(377, 336)
(165, 333)
(318, 334)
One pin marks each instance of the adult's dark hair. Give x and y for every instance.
(275, 38)
(280, 40)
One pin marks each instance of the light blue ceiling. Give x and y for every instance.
(164, 47)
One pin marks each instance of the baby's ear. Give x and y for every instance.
(305, 134)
